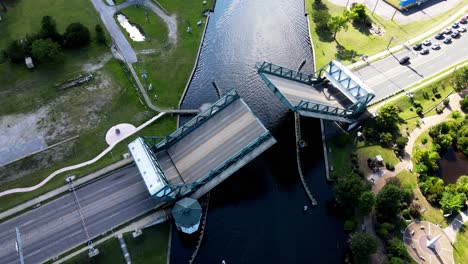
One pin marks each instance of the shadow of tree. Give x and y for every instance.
(344, 54)
(362, 27)
(320, 16)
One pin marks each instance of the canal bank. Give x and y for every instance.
(257, 215)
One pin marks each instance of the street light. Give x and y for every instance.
(19, 246)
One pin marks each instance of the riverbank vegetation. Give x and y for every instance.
(169, 68)
(360, 38)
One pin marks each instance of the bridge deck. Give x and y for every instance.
(212, 143)
(295, 92)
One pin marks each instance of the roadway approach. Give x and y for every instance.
(56, 226)
(191, 161)
(387, 77)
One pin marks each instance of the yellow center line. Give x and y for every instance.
(216, 140)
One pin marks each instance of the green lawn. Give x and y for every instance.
(364, 152)
(169, 70)
(362, 42)
(460, 251)
(125, 108)
(151, 246)
(407, 179)
(109, 252)
(153, 27)
(339, 156)
(394, 3)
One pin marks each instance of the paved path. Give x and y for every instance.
(453, 228)
(426, 10)
(80, 165)
(428, 122)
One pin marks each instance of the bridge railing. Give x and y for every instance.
(272, 69)
(185, 189)
(198, 120)
(323, 109)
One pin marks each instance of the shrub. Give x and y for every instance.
(414, 210)
(349, 226)
(386, 139)
(446, 101)
(405, 214)
(456, 114)
(411, 109)
(464, 103)
(437, 95)
(424, 140)
(425, 95)
(435, 89)
(416, 103)
(439, 110)
(419, 111)
(390, 166)
(46, 50)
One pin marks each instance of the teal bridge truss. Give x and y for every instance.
(304, 93)
(235, 155)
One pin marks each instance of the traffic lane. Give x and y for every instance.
(96, 225)
(63, 206)
(67, 203)
(452, 50)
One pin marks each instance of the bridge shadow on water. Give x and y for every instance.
(256, 215)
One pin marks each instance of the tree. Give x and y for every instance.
(362, 245)
(336, 24)
(464, 103)
(387, 118)
(462, 138)
(428, 158)
(401, 144)
(348, 191)
(76, 36)
(459, 79)
(15, 52)
(444, 141)
(358, 13)
(386, 139)
(49, 29)
(100, 36)
(396, 248)
(366, 202)
(452, 201)
(462, 184)
(432, 188)
(388, 201)
(46, 50)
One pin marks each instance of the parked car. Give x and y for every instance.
(448, 31)
(462, 29)
(424, 51)
(448, 40)
(435, 46)
(404, 60)
(463, 20)
(455, 34)
(417, 46)
(455, 25)
(439, 35)
(427, 42)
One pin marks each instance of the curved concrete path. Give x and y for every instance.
(80, 165)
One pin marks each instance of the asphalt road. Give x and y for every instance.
(56, 226)
(387, 76)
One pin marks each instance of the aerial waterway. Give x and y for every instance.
(257, 216)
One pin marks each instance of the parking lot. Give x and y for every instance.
(388, 76)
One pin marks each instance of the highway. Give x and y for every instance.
(387, 76)
(56, 226)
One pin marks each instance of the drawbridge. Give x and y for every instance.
(203, 152)
(333, 93)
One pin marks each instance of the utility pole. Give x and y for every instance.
(388, 45)
(375, 7)
(19, 246)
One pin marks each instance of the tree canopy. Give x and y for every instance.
(362, 245)
(46, 50)
(460, 79)
(49, 29)
(337, 23)
(388, 201)
(349, 190)
(387, 118)
(452, 201)
(366, 202)
(76, 36)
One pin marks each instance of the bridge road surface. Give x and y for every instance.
(387, 76)
(56, 226)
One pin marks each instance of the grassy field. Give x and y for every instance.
(339, 156)
(369, 152)
(109, 252)
(153, 27)
(360, 41)
(169, 69)
(431, 214)
(460, 251)
(151, 246)
(125, 108)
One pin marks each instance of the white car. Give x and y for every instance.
(462, 29)
(427, 42)
(435, 46)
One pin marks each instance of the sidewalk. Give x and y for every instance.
(452, 230)
(65, 188)
(412, 41)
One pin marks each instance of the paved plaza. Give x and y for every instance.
(416, 237)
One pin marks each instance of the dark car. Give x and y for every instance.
(455, 25)
(455, 34)
(448, 40)
(404, 60)
(417, 46)
(439, 36)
